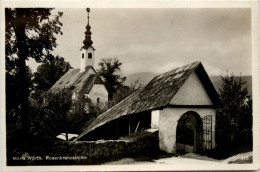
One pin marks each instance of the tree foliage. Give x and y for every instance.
(50, 71)
(123, 91)
(29, 34)
(13, 117)
(13, 87)
(109, 71)
(234, 118)
(37, 26)
(82, 111)
(48, 113)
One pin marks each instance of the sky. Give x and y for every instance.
(160, 39)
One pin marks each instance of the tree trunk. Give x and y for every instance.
(22, 55)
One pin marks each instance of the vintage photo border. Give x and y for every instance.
(253, 5)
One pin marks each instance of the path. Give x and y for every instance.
(190, 158)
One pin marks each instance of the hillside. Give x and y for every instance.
(142, 77)
(145, 77)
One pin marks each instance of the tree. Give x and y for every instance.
(82, 111)
(109, 68)
(123, 91)
(29, 34)
(13, 87)
(13, 122)
(48, 114)
(231, 115)
(49, 72)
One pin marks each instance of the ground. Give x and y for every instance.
(190, 158)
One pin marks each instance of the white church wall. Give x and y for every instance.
(168, 121)
(85, 61)
(155, 119)
(98, 91)
(191, 93)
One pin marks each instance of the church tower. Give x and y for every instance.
(87, 55)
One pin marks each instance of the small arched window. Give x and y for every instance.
(90, 55)
(82, 55)
(98, 99)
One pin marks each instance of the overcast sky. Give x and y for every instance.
(158, 40)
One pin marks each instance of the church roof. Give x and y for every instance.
(79, 82)
(157, 94)
(88, 84)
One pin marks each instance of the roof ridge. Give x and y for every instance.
(165, 73)
(80, 74)
(191, 70)
(90, 80)
(190, 64)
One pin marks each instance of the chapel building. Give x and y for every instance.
(180, 104)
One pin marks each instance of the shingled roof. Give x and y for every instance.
(156, 94)
(79, 82)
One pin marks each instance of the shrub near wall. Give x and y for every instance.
(95, 152)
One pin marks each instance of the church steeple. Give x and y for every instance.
(87, 41)
(87, 56)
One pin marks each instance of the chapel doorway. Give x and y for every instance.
(189, 133)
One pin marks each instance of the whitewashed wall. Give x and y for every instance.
(191, 93)
(155, 119)
(168, 125)
(84, 62)
(98, 91)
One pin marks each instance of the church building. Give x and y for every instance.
(85, 80)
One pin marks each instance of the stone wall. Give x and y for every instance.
(47, 152)
(92, 152)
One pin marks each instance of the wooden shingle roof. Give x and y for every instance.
(156, 94)
(88, 84)
(79, 82)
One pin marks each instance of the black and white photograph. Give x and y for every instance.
(129, 86)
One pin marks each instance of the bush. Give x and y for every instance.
(48, 113)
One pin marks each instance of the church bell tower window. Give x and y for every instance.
(90, 55)
(82, 55)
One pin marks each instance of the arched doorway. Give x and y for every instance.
(189, 133)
